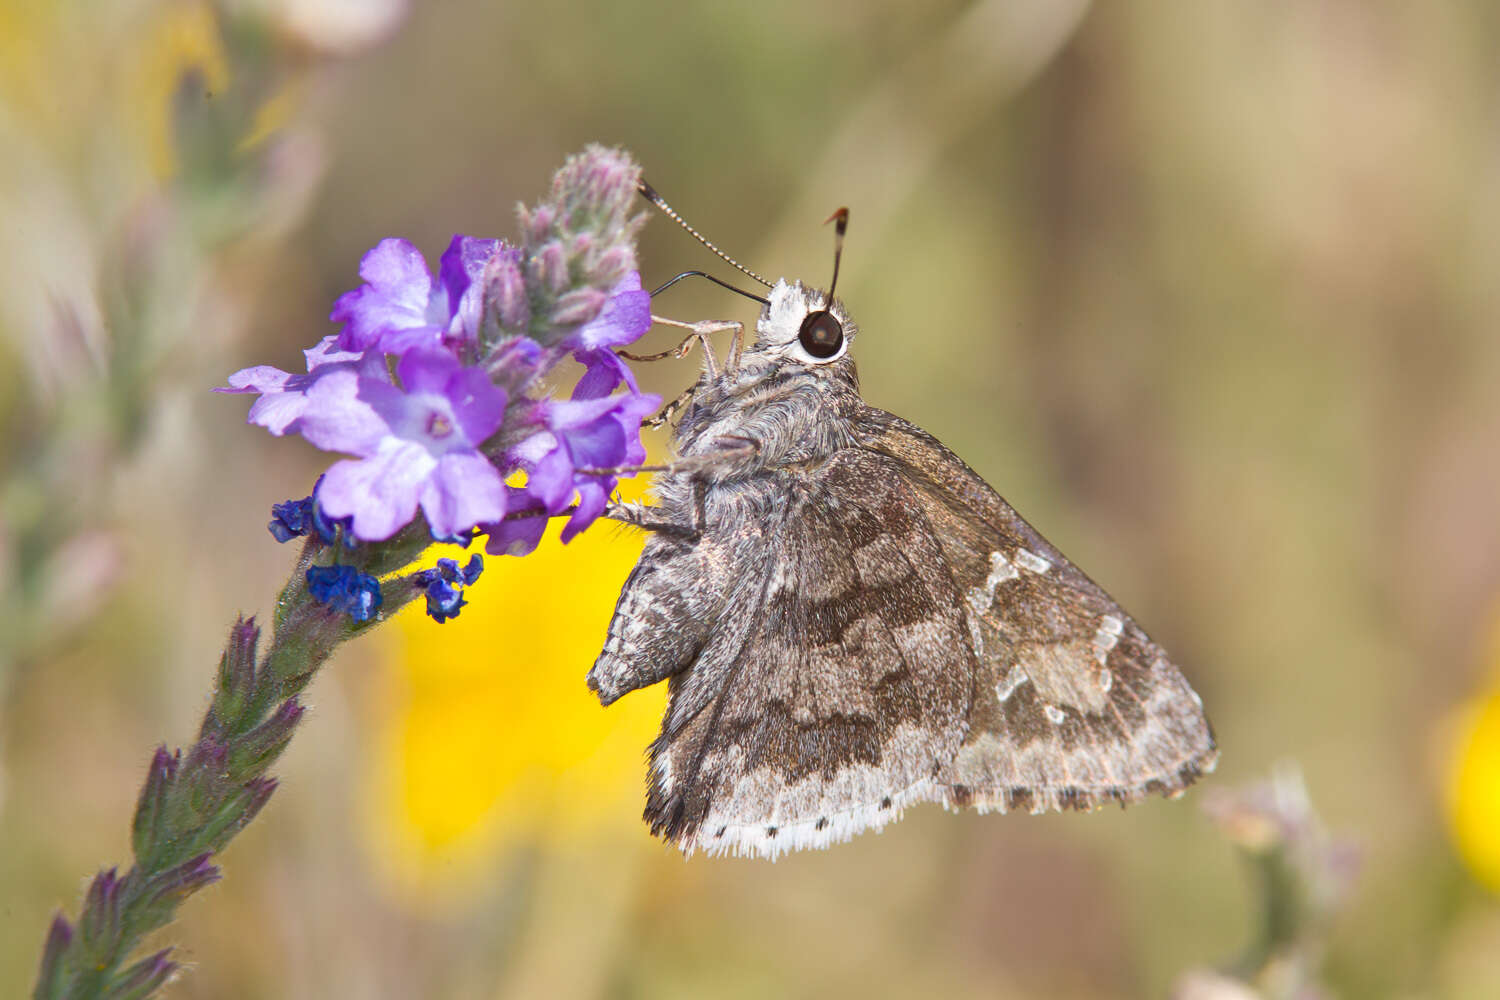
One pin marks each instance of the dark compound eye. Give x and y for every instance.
(822, 334)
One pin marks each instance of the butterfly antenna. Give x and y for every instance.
(841, 217)
(718, 281)
(649, 193)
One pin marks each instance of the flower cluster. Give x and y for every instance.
(433, 385)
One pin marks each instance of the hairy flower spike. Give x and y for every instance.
(237, 676)
(252, 753)
(144, 978)
(101, 908)
(584, 233)
(505, 296)
(50, 982)
(176, 884)
(150, 810)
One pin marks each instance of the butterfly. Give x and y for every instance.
(851, 621)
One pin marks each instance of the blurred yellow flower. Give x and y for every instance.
(1474, 782)
(489, 738)
(184, 39)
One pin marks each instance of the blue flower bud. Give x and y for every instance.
(345, 589)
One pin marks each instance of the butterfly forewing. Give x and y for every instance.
(1073, 705)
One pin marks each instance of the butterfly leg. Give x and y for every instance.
(680, 351)
(738, 448)
(689, 465)
(671, 409)
(700, 333)
(637, 515)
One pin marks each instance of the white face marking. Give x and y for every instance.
(980, 598)
(1014, 679)
(1110, 630)
(1054, 714)
(1031, 561)
(780, 328)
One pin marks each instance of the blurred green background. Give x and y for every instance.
(1208, 291)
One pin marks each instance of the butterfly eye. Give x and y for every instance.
(822, 334)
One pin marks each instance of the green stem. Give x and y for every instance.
(193, 804)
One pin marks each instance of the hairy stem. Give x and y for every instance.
(193, 803)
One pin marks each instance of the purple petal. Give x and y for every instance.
(606, 371)
(623, 319)
(278, 412)
(261, 378)
(517, 537)
(550, 480)
(527, 452)
(413, 338)
(427, 371)
(634, 409)
(339, 413)
(395, 297)
(477, 402)
(597, 445)
(592, 497)
(379, 493)
(462, 491)
(566, 415)
(327, 352)
(459, 272)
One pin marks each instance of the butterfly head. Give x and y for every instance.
(800, 326)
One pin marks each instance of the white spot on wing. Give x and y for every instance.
(1013, 679)
(1031, 561)
(980, 598)
(1110, 630)
(1054, 714)
(976, 639)
(1106, 680)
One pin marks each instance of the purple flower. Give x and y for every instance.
(417, 445)
(580, 440)
(625, 316)
(402, 306)
(345, 589)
